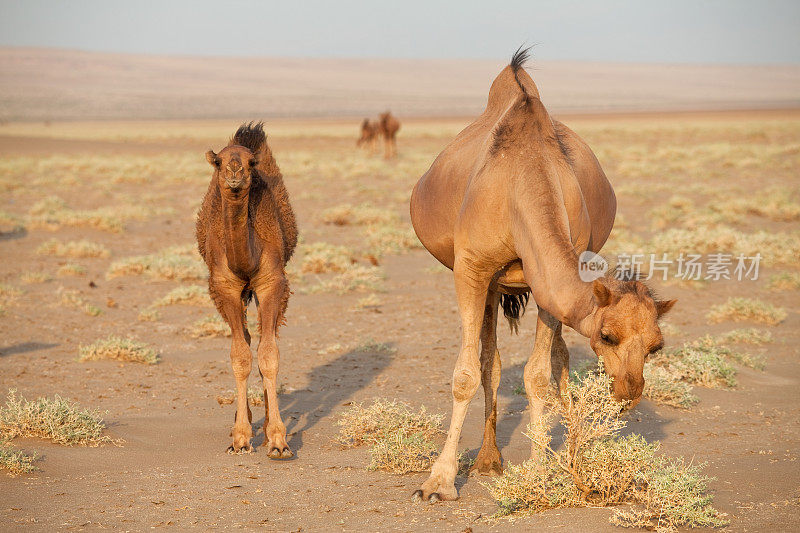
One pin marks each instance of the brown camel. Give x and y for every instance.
(508, 206)
(388, 126)
(369, 135)
(246, 233)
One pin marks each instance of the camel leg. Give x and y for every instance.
(241, 361)
(471, 294)
(394, 146)
(489, 460)
(387, 148)
(538, 370)
(559, 361)
(272, 297)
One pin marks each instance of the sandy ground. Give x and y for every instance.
(172, 470)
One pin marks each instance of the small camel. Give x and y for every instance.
(246, 233)
(509, 205)
(369, 135)
(388, 126)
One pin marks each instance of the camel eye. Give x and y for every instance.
(253, 163)
(608, 339)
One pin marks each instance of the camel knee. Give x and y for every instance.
(241, 360)
(465, 383)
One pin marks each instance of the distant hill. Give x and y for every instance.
(50, 84)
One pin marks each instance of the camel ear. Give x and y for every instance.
(663, 306)
(602, 296)
(212, 158)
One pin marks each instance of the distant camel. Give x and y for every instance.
(388, 125)
(508, 206)
(246, 233)
(369, 135)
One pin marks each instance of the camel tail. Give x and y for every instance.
(518, 63)
(513, 308)
(251, 136)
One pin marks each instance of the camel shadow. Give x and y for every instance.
(332, 384)
(17, 233)
(24, 347)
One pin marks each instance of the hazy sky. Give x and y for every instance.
(729, 31)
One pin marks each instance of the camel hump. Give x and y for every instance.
(525, 119)
(511, 82)
(251, 136)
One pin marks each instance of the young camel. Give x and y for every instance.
(388, 126)
(508, 206)
(246, 233)
(369, 135)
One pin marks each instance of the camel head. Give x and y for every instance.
(625, 332)
(234, 170)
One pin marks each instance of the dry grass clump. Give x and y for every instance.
(741, 309)
(321, 257)
(71, 269)
(187, 295)
(369, 302)
(10, 223)
(14, 461)
(57, 419)
(82, 248)
(389, 239)
(666, 387)
(149, 314)
(784, 281)
(210, 326)
(35, 277)
(702, 362)
(401, 440)
(359, 278)
(9, 293)
(52, 213)
(776, 203)
(774, 247)
(359, 215)
(181, 263)
(73, 298)
(118, 349)
(596, 467)
(746, 336)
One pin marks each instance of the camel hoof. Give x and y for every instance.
(494, 468)
(434, 497)
(275, 453)
(417, 496)
(247, 448)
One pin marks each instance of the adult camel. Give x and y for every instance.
(509, 205)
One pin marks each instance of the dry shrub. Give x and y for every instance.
(784, 281)
(149, 314)
(210, 326)
(777, 203)
(597, 467)
(740, 309)
(57, 419)
(369, 302)
(188, 295)
(10, 223)
(118, 349)
(82, 248)
(181, 263)
(71, 269)
(387, 239)
(321, 257)
(73, 298)
(52, 213)
(14, 461)
(359, 278)
(401, 440)
(746, 336)
(666, 387)
(35, 277)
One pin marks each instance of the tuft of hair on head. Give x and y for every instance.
(251, 136)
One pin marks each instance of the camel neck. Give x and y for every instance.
(238, 233)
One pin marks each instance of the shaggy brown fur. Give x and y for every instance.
(389, 126)
(246, 233)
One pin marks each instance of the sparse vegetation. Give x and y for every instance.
(181, 263)
(210, 326)
(81, 248)
(118, 349)
(35, 277)
(71, 269)
(784, 281)
(742, 309)
(369, 302)
(57, 419)
(187, 295)
(73, 298)
(596, 466)
(746, 336)
(401, 439)
(359, 278)
(360, 215)
(321, 257)
(16, 462)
